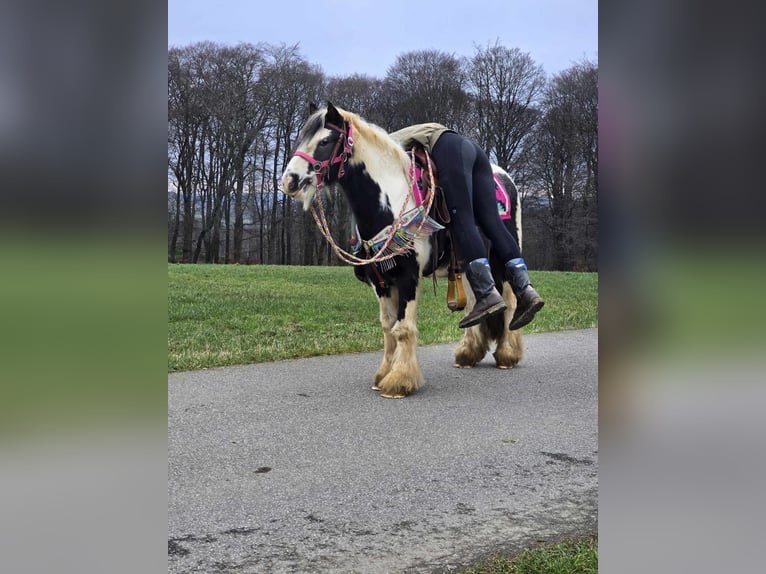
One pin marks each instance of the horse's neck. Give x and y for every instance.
(364, 197)
(377, 186)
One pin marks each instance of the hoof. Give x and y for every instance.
(399, 383)
(459, 366)
(376, 388)
(504, 367)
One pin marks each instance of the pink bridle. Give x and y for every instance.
(322, 168)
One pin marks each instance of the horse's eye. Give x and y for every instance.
(324, 141)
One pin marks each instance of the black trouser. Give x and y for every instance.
(465, 175)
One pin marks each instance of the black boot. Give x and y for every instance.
(488, 300)
(528, 302)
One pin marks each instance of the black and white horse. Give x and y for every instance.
(376, 176)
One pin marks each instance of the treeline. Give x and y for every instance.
(234, 113)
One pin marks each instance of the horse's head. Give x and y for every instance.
(323, 146)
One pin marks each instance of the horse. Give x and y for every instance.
(376, 175)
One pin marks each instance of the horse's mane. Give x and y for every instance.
(374, 136)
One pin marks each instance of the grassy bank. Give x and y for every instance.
(221, 315)
(567, 557)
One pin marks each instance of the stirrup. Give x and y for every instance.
(456, 299)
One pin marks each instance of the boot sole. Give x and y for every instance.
(527, 317)
(491, 311)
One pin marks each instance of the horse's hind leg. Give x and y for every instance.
(472, 347)
(474, 344)
(388, 306)
(404, 376)
(478, 339)
(509, 349)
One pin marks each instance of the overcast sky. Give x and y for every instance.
(345, 37)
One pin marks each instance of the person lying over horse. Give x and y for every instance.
(465, 176)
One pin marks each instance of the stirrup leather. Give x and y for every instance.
(456, 300)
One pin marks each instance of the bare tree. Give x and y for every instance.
(228, 77)
(424, 86)
(563, 165)
(295, 84)
(505, 84)
(248, 119)
(186, 117)
(358, 93)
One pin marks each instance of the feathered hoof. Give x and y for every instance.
(382, 373)
(464, 366)
(505, 364)
(467, 357)
(393, 396)
(398, 384)
(506, 359)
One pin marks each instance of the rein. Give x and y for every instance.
(393, 240)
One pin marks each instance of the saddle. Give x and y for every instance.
(441, 242)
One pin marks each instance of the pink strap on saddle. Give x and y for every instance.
(503, 199)
(416, 191)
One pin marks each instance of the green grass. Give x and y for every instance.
(567, 557)
(220, 315)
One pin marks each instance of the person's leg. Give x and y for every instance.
(454, 157)
(528, 300)
(485, 208)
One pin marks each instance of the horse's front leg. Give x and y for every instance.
(388, 310)
(404, 376)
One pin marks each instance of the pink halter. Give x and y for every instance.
(321, 168)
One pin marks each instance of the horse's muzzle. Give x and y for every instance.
(293, 184)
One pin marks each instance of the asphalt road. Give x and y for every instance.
(297, 466)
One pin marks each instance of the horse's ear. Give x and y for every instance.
(312, 108)
(333, 115)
